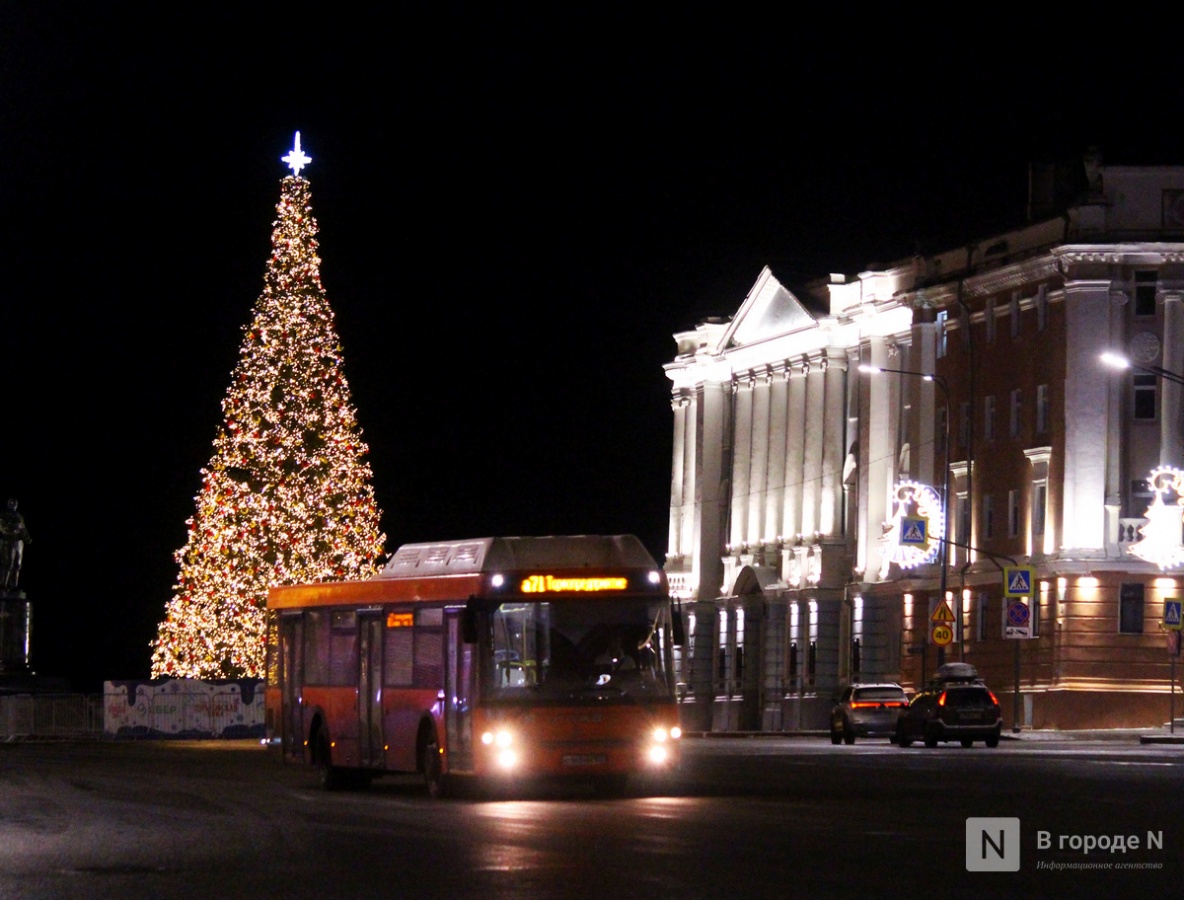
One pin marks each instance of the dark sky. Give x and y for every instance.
(517, 211)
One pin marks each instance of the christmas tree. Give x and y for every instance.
(287, 494)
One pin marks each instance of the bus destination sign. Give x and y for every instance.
(549, 584)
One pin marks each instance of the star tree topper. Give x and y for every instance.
(296, 159)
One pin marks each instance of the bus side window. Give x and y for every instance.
(316, 647)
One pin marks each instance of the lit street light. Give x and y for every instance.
(1118, 361)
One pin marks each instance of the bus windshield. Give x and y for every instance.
(578, 650)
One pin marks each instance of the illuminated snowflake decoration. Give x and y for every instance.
(1163, 535)
(913, 500)
(296, 158)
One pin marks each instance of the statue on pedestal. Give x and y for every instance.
(13, 537)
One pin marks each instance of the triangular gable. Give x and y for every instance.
(769, 310)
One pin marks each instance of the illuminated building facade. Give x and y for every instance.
(786, 513)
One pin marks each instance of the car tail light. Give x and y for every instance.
(941, 701)
(864, 704)
(994, 699)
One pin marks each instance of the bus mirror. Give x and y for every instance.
(468, 622)
(680, 635)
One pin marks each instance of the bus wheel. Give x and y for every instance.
(433, 774)
(328, 775)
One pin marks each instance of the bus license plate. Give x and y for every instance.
(585, 759)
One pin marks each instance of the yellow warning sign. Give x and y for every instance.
(943, 613)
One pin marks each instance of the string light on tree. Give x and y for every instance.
(286, 496)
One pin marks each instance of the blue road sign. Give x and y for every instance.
(1171, 615)
(914, 531)
(1017, 581)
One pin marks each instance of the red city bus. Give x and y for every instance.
(495, 658)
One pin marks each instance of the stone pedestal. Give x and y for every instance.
(16, 620)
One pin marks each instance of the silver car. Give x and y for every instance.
(866, 710)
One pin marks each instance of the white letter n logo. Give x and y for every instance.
(992, 845)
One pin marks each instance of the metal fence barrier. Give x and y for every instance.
(24, 716)
(169, 708)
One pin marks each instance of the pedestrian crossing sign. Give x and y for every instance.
(1171, 615)
(1017, 581)
(914, 531)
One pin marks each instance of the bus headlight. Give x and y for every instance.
(498, 738)
(658, 754)
(661, 734)
(507, 759)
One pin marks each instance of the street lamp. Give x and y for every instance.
(1118, 361)
(944, 553)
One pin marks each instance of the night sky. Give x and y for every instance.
(517, 211)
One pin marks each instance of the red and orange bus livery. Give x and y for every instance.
(515, 657)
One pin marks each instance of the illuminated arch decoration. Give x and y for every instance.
(911, 499)
(1163, 535)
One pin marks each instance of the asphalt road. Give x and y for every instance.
(767, 817)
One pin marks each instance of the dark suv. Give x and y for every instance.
(954, 706)
(866, 710)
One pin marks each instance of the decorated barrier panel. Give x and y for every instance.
(183, 708)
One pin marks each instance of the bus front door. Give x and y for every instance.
(458, 695)
(370, 691)
(291, 681)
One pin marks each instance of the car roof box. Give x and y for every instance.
(956, 671)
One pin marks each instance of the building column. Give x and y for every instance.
(1171, 444)
(815, 424)
(741, 462)
(1116, 436)
(923, 423)
(876, 464)
(755, 534)
(775, 486)
(677, 476)
(795, 449)
(709, 424)
(834, 451)
(1087, 334)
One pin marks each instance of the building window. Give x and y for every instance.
(1015, 409)
(988, 515)
(964, 523)
(989, 418)
(990, 321)
(1041, 408)
(1146, 286)
(1039, 503)
(1013, 513)
(941, 334)
(1041, 309)
(1130, 608)
(1145, 397)
(1014, 315)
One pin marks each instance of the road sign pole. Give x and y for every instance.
(1015, 716)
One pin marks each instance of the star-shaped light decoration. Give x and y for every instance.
(296, 159)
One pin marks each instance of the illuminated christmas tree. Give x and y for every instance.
(287, 494)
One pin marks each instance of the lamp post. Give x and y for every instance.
(1118, 361)
(944, 552)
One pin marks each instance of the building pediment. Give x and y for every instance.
(770, 310)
